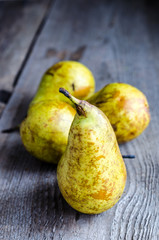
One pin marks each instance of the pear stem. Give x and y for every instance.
(68, 95)
(77, 102)
(10, 130)
(65, 92)
(128, 156)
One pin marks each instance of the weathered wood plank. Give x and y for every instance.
(119, 42)
(20, 22)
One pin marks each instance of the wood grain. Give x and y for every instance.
(121, 44)
(20, 22)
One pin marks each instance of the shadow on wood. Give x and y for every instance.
(41, 206)
(15, 157)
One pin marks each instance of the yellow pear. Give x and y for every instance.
(44, 132)
(91, 173)
(126, 108)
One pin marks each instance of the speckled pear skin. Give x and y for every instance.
(126, 108)
(44, 132)
(91, 173)
(71, 75)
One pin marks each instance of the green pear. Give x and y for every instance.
(126, 108)
(91, 173)
(44, 132)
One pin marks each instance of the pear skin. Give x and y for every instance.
(91, 173)
(126, 108)
(73, 76)
(44, 132)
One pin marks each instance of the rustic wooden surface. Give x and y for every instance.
(20, 23)
(118, 41)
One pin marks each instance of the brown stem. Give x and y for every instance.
(65, 92)
(76, 101)
(128, 156)
(12, 129)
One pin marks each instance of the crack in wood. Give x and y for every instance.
(4, 96)
(41, 26)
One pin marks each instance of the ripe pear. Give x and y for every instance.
(44, 132)
(91, 173)
(126, 108)
(72, 75)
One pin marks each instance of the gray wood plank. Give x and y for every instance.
(19, 23)
(120, 43)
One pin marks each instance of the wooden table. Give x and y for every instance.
(119, 41)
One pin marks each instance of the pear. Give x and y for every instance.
(126, 108)
(73, 76)
(91, 173)
(44, 132)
